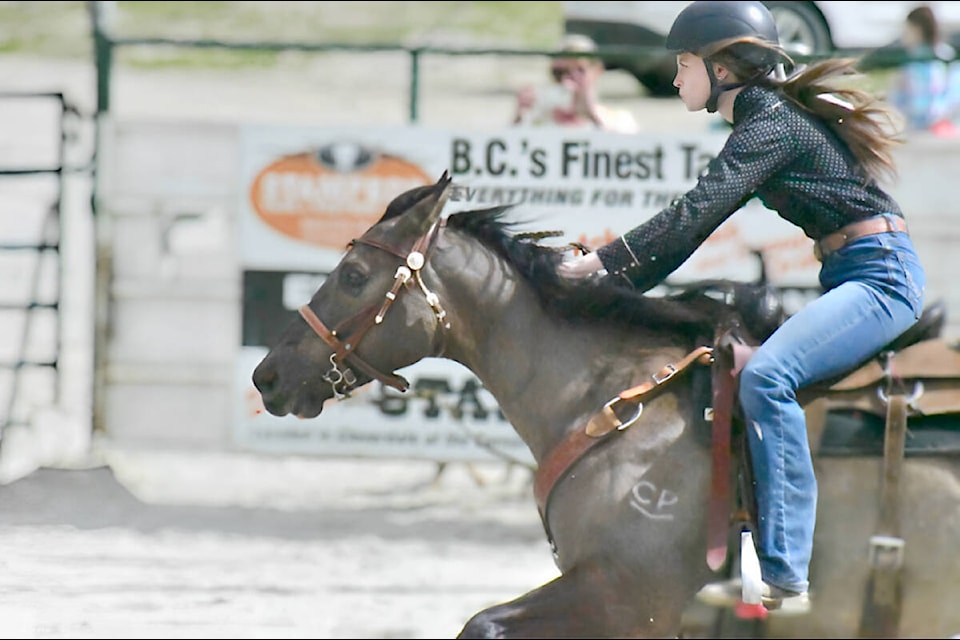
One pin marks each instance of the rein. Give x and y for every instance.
(343, 380)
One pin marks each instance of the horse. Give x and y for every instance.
(628, 520)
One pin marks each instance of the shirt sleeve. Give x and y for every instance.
(647, 254)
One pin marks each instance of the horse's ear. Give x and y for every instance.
(427, 210)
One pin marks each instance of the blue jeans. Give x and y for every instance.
(873, 292)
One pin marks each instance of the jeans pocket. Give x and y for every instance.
(914, 280)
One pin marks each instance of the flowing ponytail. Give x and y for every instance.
(867, 125)
(827, 89)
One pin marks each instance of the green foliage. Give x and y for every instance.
(49, 29)
(63, 29)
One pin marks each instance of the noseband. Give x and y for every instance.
(343, 380)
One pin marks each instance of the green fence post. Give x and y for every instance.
(414, 84)
(103, 51)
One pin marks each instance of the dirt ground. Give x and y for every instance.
(226, 546)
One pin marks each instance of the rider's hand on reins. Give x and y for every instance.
(580, 266)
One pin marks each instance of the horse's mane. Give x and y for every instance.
(691, 313)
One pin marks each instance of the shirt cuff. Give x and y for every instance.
(617, 257)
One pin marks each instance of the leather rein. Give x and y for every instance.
(341, 377)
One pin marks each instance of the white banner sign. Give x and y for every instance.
(309, 191)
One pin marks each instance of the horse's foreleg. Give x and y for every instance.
(590, 601)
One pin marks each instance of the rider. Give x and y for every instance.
(814, 150)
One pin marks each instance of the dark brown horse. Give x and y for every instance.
(628, 521)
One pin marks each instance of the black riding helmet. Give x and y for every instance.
(704, 24)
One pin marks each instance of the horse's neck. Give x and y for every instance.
(497, 326)
(548, 375)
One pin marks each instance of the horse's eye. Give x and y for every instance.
(352, 280)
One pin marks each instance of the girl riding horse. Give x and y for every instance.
(813, 150)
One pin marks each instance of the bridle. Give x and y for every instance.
(343, 380)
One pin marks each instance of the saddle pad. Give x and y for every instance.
(929, 359)
(851, 432)
(927, 372)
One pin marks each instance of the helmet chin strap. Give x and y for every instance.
(716, 88)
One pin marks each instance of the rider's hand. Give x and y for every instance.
(580, 267)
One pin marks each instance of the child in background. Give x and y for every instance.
(926, 88)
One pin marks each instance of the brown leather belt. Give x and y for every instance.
(871, 226)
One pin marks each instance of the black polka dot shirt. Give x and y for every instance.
(777, 152)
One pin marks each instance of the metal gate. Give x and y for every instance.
(32, 168)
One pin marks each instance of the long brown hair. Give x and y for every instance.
(828, 89)
(925, 20)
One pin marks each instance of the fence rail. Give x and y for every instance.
(46, 242)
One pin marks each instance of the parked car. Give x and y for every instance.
(807, 30)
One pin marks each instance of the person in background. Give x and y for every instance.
(813, 148)
(926, 88)
(570, 99)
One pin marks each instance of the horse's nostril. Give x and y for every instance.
(264, 379)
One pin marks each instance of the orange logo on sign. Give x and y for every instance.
(329, 196)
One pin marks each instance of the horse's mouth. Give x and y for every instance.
(307, 413)
(304, 403)
(298, 407)
(309, 402)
